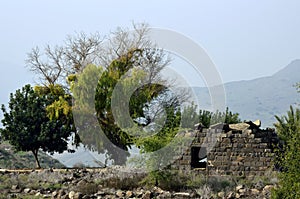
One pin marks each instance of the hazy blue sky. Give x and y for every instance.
(245, 38)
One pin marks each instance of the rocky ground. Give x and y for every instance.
(111, 183)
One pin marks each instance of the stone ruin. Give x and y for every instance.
(239, 150)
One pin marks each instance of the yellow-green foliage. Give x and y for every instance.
(61, 105)
(55, 89)
(83, 87)
(58, 107)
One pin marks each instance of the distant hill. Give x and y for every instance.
(260, 98)
(19, 160)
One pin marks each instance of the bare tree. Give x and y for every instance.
(56, 63)
(81, 50)
(123, 40)
(49, 69)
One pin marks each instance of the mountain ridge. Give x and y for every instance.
(260, 98)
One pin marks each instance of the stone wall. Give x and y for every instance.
(239, 150)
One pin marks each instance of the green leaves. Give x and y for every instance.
(190, 117)
(38, 119)
(288, 129)
(288, 124)
(58, 108)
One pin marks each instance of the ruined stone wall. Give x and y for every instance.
(246, 152)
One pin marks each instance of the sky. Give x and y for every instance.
(246, 39)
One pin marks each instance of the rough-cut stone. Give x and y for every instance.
(120, 193)
(239, 187)
(78, 195)
(239, 126)
(100, 193)
(27, 190)
(182, 194)
(157, 190)
(14, 187)
(230, 195)
(221, 194)
(147, 195)
(267, 189)
(129, 194)
(255, 191)
(257, 123)
(71, 194)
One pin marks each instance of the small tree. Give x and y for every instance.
(31, 124)
(288, 129)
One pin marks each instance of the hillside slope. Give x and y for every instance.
(20, 160)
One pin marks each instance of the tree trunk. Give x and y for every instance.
(37, 163)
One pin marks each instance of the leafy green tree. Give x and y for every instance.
(126, 73)
(34, 122)
(288, 129)
(138, 103)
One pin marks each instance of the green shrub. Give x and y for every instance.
(288, 129)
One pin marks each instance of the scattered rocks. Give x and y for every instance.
(120, 193)
(27, 190)
(54, 194)
(147, 195)
(182, 194)
(231, 195)
(221, 194)
(82, 186)
(14, 187)
(128, 194)
(239, 187)
(37, 194)
(255, 191)
(78, 195)
(71, 194)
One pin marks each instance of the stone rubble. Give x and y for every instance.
(80, 177)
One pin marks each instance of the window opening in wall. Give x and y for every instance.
(199, 157)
